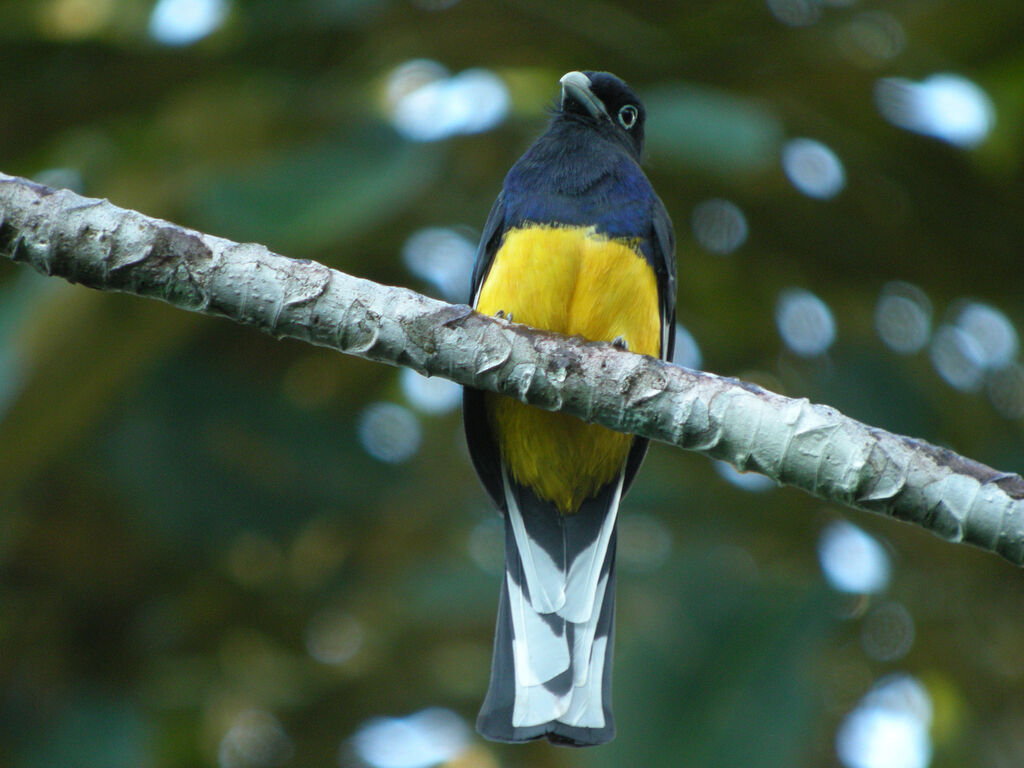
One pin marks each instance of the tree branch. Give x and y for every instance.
(813, 447)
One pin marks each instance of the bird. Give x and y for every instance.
(577, 242)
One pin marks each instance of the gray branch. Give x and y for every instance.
(792, 441)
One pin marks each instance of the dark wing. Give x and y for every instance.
(490, 239)
(663, 246)
(483, 451)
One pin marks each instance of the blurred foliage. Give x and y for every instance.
(187, 509)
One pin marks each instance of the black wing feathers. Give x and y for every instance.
(483, 450)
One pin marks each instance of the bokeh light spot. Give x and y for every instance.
(796, 13)
(887, 632)
(871, 38)
(945, 106)
(429, 394)
(687, 352)
(992, 331)
(62, 178)
(813, 168)
(256, 739)
(805, 322)
(420, 740)
(408, 77)
(390, 432)
(1005, 390)
(487, 545)
(889, 727)
(719, 226)
(851, 560)
(903, 317)
(429, 105)
(334, 636)
(71, 19)
(753, 482)
(443, 258)
(645, 542)
(183, 22)
(958, 358)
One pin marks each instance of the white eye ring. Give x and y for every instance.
(628, 115)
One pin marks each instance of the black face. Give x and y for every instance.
(622, 107)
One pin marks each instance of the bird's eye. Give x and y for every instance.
(628, 115)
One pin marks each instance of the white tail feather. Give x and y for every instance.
(587, 707)
(545, 579)
(540, 653)
(583, 647)
(584, 572)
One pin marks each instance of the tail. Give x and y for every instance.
(551, 671)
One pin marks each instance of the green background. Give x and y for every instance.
(185, 503)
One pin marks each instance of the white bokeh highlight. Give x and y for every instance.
(889, 727)
(432, 395)
(183, 22)
(429, 104)
(256, 739)
(805, 322)
(719, 226)
(958, 358)
(390, 433)
(944, 106)
(813, 168)
(992, 331)
(753, 482)
(903, 317)
(851, 560)
(687, 352)
(427, 738)
(442, 257)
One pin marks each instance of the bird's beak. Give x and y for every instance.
(576, 86)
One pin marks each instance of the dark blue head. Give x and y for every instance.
(603, 100)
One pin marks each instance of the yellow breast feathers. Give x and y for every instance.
(577, 282)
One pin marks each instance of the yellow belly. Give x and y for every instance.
(573, 281)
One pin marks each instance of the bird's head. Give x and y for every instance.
(607, 102)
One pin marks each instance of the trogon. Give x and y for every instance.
(577, 242)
